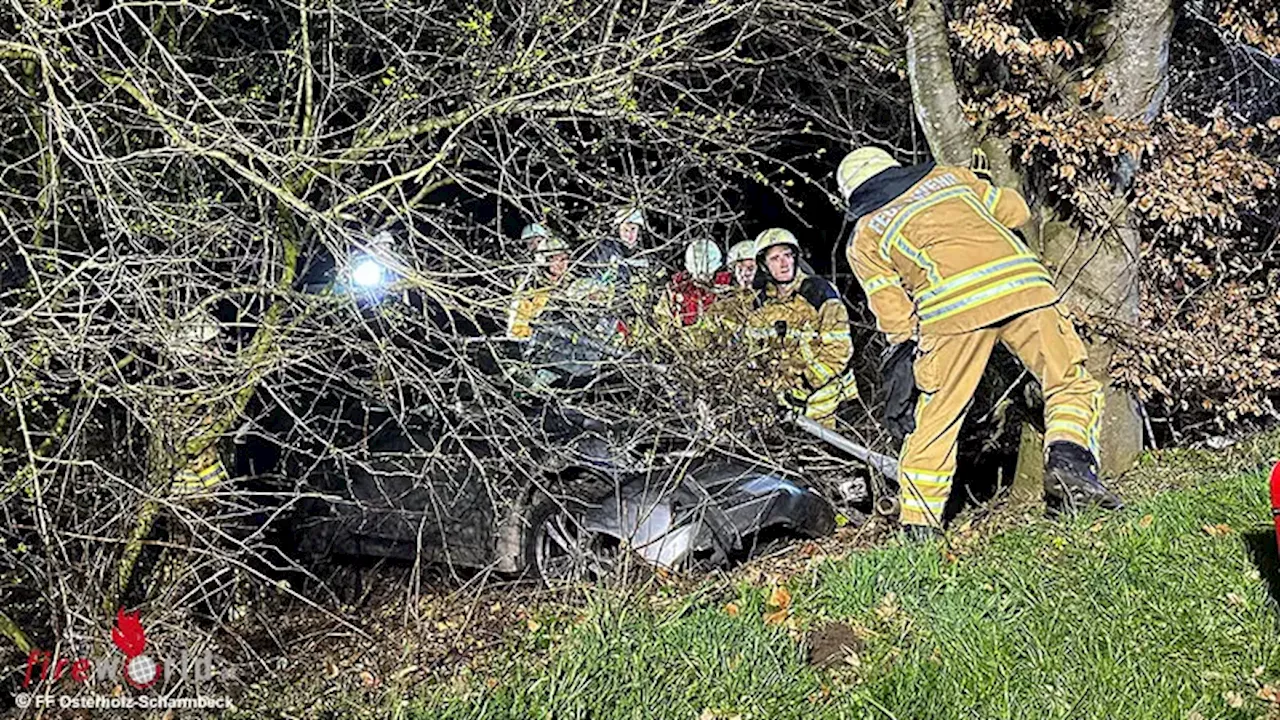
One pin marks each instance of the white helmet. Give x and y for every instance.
(775, 236)
(631, 215)
(860, 166)
(702, 258)
(745, 250)
(534, 230)
(547, 247)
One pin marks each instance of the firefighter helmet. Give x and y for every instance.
(702, 258)
(775, 236)
(549, 246)
(745, 250)
(860, 166)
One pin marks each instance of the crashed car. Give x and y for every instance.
(586, 502)
(568, 526)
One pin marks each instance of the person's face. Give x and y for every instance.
(744, 271)
(629, 234)
(557, 266)
(781, 261)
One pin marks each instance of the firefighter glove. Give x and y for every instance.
(900, 388)
(980, 164)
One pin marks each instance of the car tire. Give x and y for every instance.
(558, 550)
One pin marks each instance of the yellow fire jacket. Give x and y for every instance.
(525, 309)
(940, 258)
(815, 343)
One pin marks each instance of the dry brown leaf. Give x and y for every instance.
(1219, 530)
(1234, 699)
(731, 609)
(1146, 521)
(776, 618)
(367, 679)
(1269, 694)
(780, 598)
(533, 625)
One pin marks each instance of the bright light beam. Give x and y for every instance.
(368, 273)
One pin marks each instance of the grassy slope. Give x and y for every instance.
(1135, 617)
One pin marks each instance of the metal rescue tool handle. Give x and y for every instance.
(883, 464)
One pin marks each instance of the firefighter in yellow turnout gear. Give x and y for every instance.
(803, 317)
(947, 279)
(552, 258)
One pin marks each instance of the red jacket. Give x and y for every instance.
(692, 299)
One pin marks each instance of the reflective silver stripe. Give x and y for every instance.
(988, 294)
(904, 216)
(969, 276)
(836, 335)
(1017, 245)
(880, 282)
(824, 373)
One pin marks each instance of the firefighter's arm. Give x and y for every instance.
(895, 312)
(1005, 204)
(831, 353)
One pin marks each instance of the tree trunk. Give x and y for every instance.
(934, 92)
(1137, 73)
(1098, 278)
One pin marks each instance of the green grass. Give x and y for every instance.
(1131, 619)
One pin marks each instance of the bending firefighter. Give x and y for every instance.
(803, 316)
(947, 279)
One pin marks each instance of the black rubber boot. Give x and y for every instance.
(920, 534)
(1071, 480)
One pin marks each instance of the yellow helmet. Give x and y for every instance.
(775, 236)
(745, 250)
(860, 166)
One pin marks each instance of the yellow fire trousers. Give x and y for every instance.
(947, 372)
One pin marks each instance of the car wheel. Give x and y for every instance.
(561, 551)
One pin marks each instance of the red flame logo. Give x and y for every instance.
(128, 634)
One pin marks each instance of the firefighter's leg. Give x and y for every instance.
(1047, 344)
(947, 373)
(821, 405)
